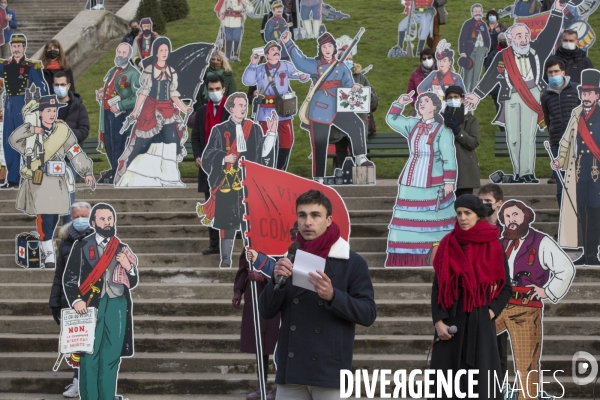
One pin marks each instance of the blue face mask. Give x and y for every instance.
(454, 103)
(349, 64)
(492, 18)
(555, 80)
(81, 224)
(61, 91)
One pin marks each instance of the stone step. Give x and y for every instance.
(153, 325)
(223, 291)
(222, 343)
(223, 308)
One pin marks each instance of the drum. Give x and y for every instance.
(585, 34)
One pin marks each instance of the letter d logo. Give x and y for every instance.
(584, 363)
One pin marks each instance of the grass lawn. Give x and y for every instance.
(389, 77)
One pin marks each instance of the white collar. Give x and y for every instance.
(430, 121)
(340, 250)
(100, 238)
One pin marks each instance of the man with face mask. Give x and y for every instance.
(575, 59)
(473, 45)
(117, 98)
(130, 36)
(142, 44)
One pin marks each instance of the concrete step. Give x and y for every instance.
(222, 343)
(223, 308)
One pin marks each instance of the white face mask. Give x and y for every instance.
(454, 103)
(428, 63)
(215, 97)
(569, 45)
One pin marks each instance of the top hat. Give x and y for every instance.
(50, 101)
(590, 79)
(465, 62)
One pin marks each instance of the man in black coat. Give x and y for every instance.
(100, 273)
(316, 336)
(473, 44)
(575, 59)
(130, 36)
(558, 102)
(207, 116)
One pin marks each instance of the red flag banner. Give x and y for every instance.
(536, 23)
(271, 206)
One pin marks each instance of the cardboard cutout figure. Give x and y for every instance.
(228, 141)
(579, 156)
(4, 21)
(232, 14)
(19, 73)
(117, 98)
(142, 44)
(518, 70)
(276, 25)
(94, 5)
(540, 271)
(157, 141)
(319, 111)
(525, 8)
(274, 93)
(311, 14)
(424, 210)
(439, 80)
(100, 273)
(46, 181)
(473, 45)
(421, 13)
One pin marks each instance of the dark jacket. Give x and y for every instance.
(316, 337)
(128, 38)
(199, 142)
(558, 104)
(466, 40)
(49, 78)
(466, 141)
(575, 62)
(78, 119)
(68, 236)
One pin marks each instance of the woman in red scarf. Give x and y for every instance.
(470, 289)
(54, 59)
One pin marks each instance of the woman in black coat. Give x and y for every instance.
(470, 289)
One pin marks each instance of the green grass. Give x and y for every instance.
(389, 77)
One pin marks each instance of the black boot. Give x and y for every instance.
(592, 236)
(420, 46)
(283, 158)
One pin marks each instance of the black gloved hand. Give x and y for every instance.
(237, 299)
(453, 124)
(56, 314)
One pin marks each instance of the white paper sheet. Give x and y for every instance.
(303, 264)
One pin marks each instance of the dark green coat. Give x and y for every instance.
(230, 86)
(466, 141)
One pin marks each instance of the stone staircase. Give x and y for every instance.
(41, 20)
(187, 332)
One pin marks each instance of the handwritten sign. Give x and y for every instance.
(77, 331)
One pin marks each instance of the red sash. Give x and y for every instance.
(209, 206)
(101, 266)
(517, 80)
(586, 136)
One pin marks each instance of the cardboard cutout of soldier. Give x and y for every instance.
(579, 156)
(100, 273)
(142, 44)
(228, 143)
(473, 45)
(320, 111)
(46, 181)
(518, 70)
(424, 210)
(232, 14)
(421, 13)
(276, 25)
(540, 271)
(273, 82)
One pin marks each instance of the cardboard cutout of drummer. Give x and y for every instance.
(473, 45)
(233, 14)
(579, 156)
(518, 70)
(45, 179)
(541, 271)
(272, 80)
(320, 110)
(424, 210)
(156, 144)
(229, 142)
(421, 13)
(100, 273)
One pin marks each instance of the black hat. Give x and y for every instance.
(455, 89)
(50, 101)
(590, 79)
(465, 62)
(474, 204)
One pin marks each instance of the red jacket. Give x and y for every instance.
(415, 79)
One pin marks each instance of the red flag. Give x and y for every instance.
(271, 206)
(536, 23)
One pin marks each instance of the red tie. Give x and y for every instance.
(512, 247)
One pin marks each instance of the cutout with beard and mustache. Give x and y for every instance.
(518, 50)
(107, 233)
(517, 233)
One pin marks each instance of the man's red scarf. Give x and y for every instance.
(321, 245)
(109, 253)
(211, 118)
(517, 80)
(585, 133)
(479, 267)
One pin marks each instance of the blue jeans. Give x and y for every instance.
(113, 140)
(559, 187)
(234, 34)
(316, 12)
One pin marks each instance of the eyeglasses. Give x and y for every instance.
(60, 84)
